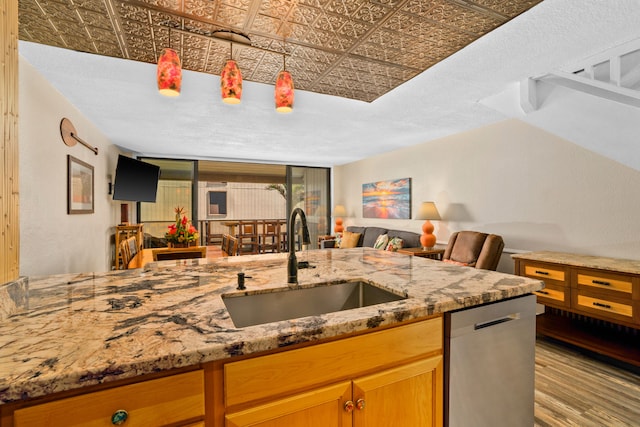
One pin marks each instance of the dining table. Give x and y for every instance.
(232, 225)
(145, 256)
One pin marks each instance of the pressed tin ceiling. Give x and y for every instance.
(358, 49)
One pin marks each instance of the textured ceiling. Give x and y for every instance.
(358, 49)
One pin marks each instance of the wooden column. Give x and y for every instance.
(9, 186)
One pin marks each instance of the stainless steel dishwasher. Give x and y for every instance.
(490, 365)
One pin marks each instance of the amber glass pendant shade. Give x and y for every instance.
(284, 92)
(231, 83)
(169, 73)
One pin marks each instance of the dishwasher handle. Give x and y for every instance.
(498, 321)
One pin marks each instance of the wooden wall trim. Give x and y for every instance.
(9, 185)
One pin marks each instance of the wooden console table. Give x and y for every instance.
(592, 302)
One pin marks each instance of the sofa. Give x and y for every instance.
(369, 236)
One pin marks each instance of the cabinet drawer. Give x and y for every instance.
(554, 295)
(544, 272)
(607, 282)
(295, 370)
(604, 306)
(154, 402)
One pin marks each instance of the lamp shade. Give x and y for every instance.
(169, 73)
(284, 92)
(231, 83)
(339, 210)
(428, 210)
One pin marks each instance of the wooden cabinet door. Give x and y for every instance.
(410, 395)
(323, 407)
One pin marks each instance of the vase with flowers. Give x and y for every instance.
(181, 233)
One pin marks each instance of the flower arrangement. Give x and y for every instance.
(182, 231)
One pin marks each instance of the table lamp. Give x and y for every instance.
(338, 212)
(428, 211)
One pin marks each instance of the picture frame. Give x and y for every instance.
(80, 187)
(387, 199)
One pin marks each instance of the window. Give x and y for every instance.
(217, 203)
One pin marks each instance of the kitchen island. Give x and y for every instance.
(85, 330)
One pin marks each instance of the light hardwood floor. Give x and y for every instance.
(576, 390)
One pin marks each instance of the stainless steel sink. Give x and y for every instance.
(286, 304)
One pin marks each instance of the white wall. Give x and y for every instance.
(51, 241)
(539, 191)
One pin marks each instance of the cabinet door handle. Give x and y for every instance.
(543, 292)
(495, 322)
(349, 406)
(599, 304)
(600, 282)
(119, 417)
(544, 273)
(360, 404)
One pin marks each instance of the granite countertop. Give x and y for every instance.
(85, 329)
(587, 261)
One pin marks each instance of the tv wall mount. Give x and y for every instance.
(71, 138)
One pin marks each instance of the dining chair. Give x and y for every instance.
(225, 244)
(212, 236)
(132, 242)
(270, 237)
(232, 246)
(125, 255)
(248, 238)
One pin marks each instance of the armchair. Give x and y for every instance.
(474, 249)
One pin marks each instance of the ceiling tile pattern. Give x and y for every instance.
(358, 49)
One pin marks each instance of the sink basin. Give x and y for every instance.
(286, 304)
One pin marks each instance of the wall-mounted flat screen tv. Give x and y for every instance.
(135, 180)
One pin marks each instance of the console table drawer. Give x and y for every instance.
(605, 307)
(554, 295)
(608, 282)
(543, 272)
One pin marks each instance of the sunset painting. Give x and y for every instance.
(387, 199)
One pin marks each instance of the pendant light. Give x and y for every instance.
(169, 71)
(284, 90)
(231, 81)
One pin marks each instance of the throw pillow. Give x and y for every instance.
(381, 242)
(349, 240)
(394, 244)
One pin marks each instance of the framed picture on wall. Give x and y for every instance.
(79, 186)
(387, 199)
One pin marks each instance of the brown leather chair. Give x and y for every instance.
(474, 249)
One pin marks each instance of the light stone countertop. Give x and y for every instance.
(587, 261)
(85, 329)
